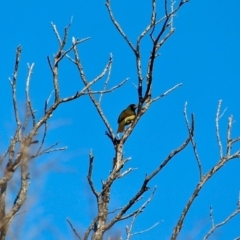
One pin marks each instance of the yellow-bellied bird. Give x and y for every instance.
(126, 117)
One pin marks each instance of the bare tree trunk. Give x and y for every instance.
(103, 212)
(2, 209)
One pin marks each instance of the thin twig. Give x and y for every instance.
(166, 93)
(229, 142)
(44, 136)
(56, 33)
(129, 230)
(52, 150)
(172, 9)
(217, 128)
(106, 82)
(214, 227)
(211, 216)
(138, 52)
(116, 24)
(65, 53)
(47, 101)
(111, 212)
(146, 230)
(152, 23)
(166, 7)
(126, 172)
(29, 104)
(157, 43)
(89, 177)
(13, 84)
(11, 147)
(74, 230)
(235, 140)
(84, 79)
(194, 145)
(58, 58)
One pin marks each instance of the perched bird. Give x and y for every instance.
(126, 117)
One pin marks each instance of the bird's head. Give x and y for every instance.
(132, 107)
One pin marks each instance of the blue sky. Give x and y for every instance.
(203, 54)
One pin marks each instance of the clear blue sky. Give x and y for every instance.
(203, 54)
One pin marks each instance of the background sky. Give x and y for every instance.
(203, 54)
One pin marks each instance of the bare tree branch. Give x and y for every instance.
(19, 152)
(222, 161)
(215, 226)
(90, 228)
(89, 177)
(211, 215)
(217, 128)
(126, 172)
(84, 79)
(229, 143)
(116, 24)
(50, 150)
(166, 93)
(144, 187)
(148, 28)
(106, 83)
(29, 104)
(56, 33)
(13, 84)
(138, 52)
(111, 212)
(10, 150)
(5, 222)
(141, 209)
(74, 230)
(194, 145)
(146, 230)
(157, 43)
(145, 101)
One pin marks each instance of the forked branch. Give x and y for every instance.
(222, 161)
(227, 219)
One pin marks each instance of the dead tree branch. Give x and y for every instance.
(215, 226)
(222, 161)
(89, 177)
(141, 209)
(14, 83)
(20, 150)
(194, 145)
(144, 88)
(74, 230)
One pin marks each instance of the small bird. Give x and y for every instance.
(126, 117)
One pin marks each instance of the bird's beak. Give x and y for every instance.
(135, 106)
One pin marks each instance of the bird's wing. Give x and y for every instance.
(125, 113)
(129, 119)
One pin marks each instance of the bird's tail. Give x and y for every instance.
(120, 127)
